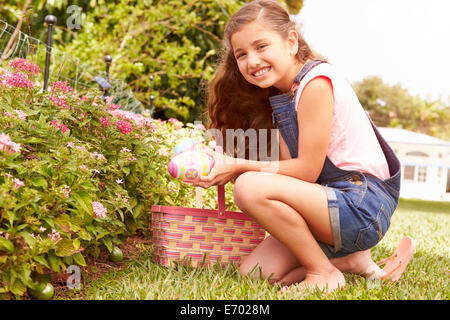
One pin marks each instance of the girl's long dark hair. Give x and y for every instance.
(233, 102)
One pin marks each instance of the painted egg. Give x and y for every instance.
(190, 164)
(186, 144)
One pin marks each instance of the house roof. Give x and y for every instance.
(406, 136)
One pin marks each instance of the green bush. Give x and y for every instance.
(77, 175)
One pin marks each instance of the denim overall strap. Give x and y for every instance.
(284, 115)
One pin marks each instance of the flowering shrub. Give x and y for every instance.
(71, 184)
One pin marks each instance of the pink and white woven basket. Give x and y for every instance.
(203, 236)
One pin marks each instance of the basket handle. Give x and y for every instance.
(220, 194)
(220, 191)
(221, 200)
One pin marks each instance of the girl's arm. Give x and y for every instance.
(315, 114)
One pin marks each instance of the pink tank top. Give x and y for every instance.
(353, 144)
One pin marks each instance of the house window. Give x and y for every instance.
(409, 173)
(422, 174)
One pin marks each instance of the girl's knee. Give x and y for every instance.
(244, 189)
(258, 272)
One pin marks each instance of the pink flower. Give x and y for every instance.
(113, 107)
(98, 155)
(84, 98)
(66, 191)
(60, 102)
(54, 236)
(99, 210)
(123, 126)
(125, 150)
(178, 124)
(18, 183)
(104, 122)
(153, 126)
(7, 145)
(63, 128)
(61, 86)
(59, 126)
(24, 65)
(22, 115)
(18, 80)
(199, 126)
(42, 229)
(138, 119)
(119, 181)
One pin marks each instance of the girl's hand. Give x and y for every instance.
(224, 170)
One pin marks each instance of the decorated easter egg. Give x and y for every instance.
(190, 164)
(186, 144)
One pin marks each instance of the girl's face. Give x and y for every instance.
(265, 58)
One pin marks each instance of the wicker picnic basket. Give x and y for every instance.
(203, 236)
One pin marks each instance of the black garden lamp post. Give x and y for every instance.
(108, 61)
(50, 20)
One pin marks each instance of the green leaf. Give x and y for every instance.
(17, 287)
(53, 260)
(126, 170)
(107, 242)
(121, 214)
(78, 257)
(39, 182)
(84, 199)
(76, 244)
(6, 245)
(63, 221)
(32, 140)
(137, 210)
(41, 260)
(65, 248)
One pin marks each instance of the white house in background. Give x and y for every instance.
(425, 162)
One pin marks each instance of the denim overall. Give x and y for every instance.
(360, 205)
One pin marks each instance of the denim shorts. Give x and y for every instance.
(361, 207)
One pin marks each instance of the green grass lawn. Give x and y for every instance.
(427, 275)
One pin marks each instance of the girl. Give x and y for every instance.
(337, 181)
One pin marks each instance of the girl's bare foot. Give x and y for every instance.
(359, 262)
(326, 282)
(396, 264)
